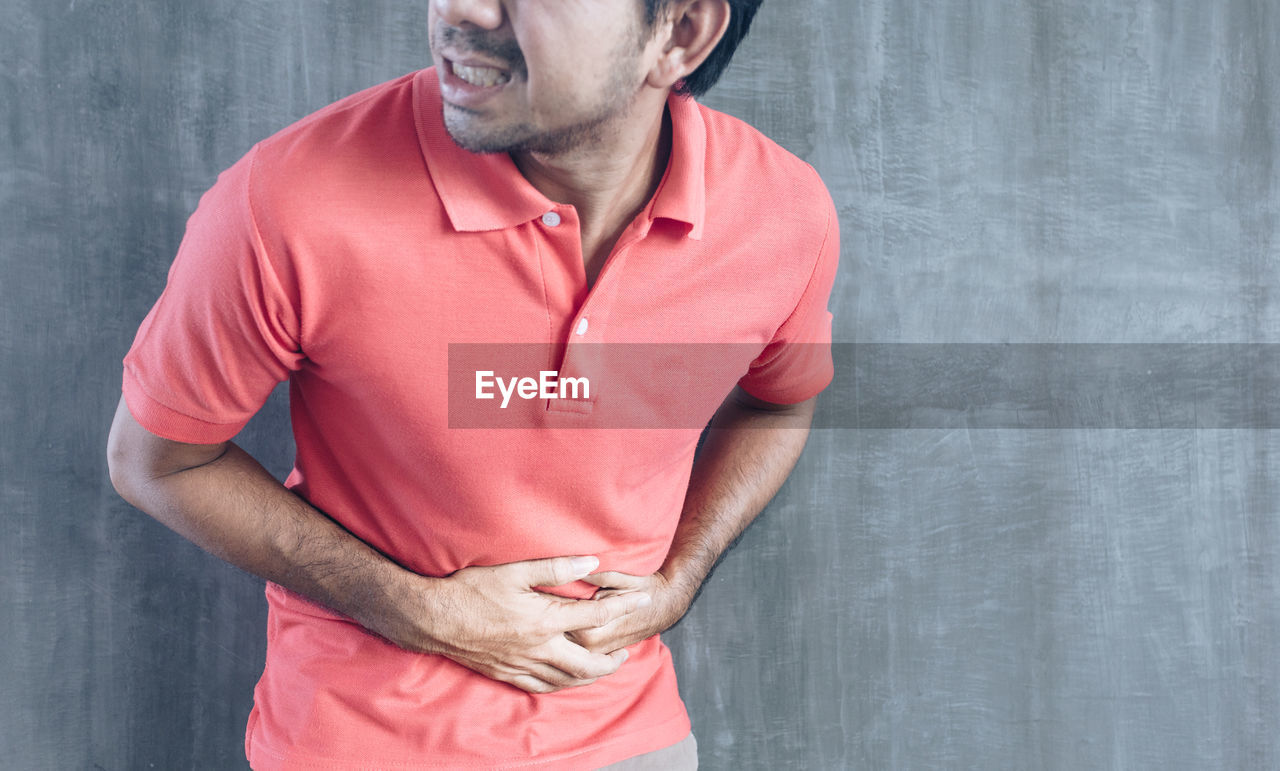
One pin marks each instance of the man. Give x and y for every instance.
(446, 597)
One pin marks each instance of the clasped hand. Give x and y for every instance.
(492, 619)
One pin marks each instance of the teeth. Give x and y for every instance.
(481, 76)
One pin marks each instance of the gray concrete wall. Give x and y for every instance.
(948, 596)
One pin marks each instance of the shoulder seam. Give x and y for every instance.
(817, 258)
(260, 245)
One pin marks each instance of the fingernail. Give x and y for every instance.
(626, 654)
(583, 566)
(644, 601)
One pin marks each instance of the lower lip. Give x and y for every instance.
(459, 92)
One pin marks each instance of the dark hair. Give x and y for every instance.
(702, 79)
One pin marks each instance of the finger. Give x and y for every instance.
(535, 676)
(575, 661)
(554, 571)
(532, 684)
(598, 594)
(614, 580)
(585, 614)
(591, 637)
(557, 677)
(587, 638)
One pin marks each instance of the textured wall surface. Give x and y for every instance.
(954, 595)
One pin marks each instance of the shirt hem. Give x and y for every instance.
(791, 395)
(166, 422)
(265, 758)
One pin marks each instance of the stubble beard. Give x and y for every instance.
(619, 96)
(526, 138)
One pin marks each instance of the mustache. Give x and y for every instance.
(506, 51)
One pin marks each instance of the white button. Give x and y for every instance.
(551, 219)
(582, 326)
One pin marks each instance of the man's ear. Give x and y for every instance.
(689, 31)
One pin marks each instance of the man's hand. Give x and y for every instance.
(669, 603)
(750, 448)
(492, 620)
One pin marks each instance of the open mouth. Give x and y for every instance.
(483, 77)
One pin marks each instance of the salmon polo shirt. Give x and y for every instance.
(347, 254)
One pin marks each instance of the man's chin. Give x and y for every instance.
(462, 126)
(480, 148)
(469, 139)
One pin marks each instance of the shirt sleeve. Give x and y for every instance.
(796, 364)
(224, 331)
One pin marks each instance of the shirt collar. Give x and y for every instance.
(485, 191)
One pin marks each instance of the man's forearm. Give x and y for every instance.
(233, 508)
(747, 455)
(489, 619)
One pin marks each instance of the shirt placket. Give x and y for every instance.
(580, 333)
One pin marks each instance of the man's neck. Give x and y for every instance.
(608, 182)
